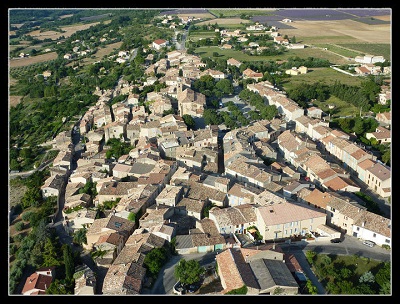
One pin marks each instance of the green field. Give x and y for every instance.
(342, 108)
(235, 12)
(339, 50)
(324, 39)
(324, 75)
(370, 48)
(302, 53)
(197, 35)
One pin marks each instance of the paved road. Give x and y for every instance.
(350, 246)
(166, 279)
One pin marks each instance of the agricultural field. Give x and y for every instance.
(68, 31)
(338, 31)
(302, 53)
(234, 12)
(225, 21)
(197, 35)
(196, 13)
(370, 48)
(19, 62)
(101, 53)
(341, 50)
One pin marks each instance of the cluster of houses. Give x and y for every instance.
(172, 174)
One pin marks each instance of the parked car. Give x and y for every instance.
(179, 288)
(193, 287)
(336, 240)
(369, 243)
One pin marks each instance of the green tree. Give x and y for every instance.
(225, 86)
(383, 275)
(58, 287)
(19, 226)
(310, 256)
(189, 121)
(32, 197)
(241, 290)
(385, 288)
(80, 236)
(155, 259)
(311, 288)
(132, 217)
(188, 272)
(367, 277)
(50, 254)
(68, 262)
(386, 157)
(359, 127)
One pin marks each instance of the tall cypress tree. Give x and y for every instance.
(68, 262)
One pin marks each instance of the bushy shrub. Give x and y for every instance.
(19, 226)
(26, 216)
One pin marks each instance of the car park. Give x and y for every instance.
(336, 240)
(369, 243)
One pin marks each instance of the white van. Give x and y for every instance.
(369, 243)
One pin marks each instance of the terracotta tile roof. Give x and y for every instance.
(366, 163)
(375, 223)
(327, 139)
(233, 216)
(292, 263)
(114, 238)
(208, 226)
(227, 267)
(322, 130)
(120, 224)
(123, 279)
(159, 41)
(318, 198)
(37, 281)
(317, 164)
(279, 213)
(97, 226)
(380, 172)
(336, 184)
(338, 133)
(350, 148)
(266, 197)
(117, 188)
(304, 120)
(239, 191)
(191, 204)
(358, 154)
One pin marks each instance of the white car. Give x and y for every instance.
(369, 243)
(178, 288)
